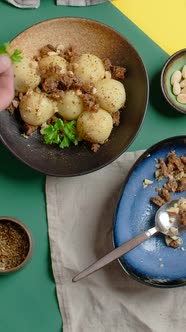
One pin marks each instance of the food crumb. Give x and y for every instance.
(161, 265)
(146, 182)
(182, 249)
(24, 135)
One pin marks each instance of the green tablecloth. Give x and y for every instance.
(28, 298)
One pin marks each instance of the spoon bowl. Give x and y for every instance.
(162, 218)
(163, 224)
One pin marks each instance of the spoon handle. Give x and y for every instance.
(116, 253)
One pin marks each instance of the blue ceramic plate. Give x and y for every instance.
(153, 262)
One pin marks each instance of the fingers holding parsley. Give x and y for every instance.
(14, 57)
(6, 82)
(6, 74)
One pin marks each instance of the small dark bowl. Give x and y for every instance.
(19, 226)
(85, 36)
(175, 62)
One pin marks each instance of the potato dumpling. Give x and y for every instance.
(35, 108)
(110, 94)
(89, 68)
(94, 127)
(53, 60)
(26, 75)
(70, 106)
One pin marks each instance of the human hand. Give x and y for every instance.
(6, 82)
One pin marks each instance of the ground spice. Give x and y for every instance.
(14, 245)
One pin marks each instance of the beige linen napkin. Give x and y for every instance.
(80, 217)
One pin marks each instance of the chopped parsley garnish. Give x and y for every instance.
(62, 134)
(15, 56)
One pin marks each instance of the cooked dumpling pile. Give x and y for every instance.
(79, 87)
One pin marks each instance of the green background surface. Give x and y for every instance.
(28, 297)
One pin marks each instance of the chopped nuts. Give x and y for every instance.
(52, 53)
(181, 98)
(184, 71)
(183, 90)
(174, 243)
(172, 169)
(60, 47)
(178, 81)
(176, 77)
(173, 230)
(176, 88)
(183, 83)
(146, 182)
(179, 212)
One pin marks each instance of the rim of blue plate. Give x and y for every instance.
(129, 271)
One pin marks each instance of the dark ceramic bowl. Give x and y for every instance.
(152, 263)
(175, 62)
(11, 227)
(85, 36)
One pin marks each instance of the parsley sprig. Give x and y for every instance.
(62, 134)
(15, 56)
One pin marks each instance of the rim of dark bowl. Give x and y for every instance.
(52, 172)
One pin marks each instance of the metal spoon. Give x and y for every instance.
(162, 225)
